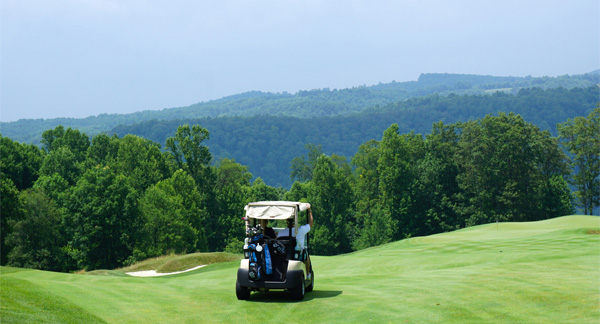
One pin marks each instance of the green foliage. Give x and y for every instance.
(76, 141)
(36, 238)
(302, 166)
(19, 162)
(188, 151)
(234, 246)
(267, 144)
(114, 201)
(581, 138)
(173, 221)
(331, 196)
(504, 163)
(259, 191)
(11, 209)
(142, 161)
(231, 189)
(103, 219)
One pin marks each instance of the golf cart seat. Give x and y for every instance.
(290, 244)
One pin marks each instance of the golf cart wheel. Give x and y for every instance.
(298, 291)
(241, 292)
(312, 281)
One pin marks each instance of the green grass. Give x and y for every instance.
(538, 272)
(172, 263)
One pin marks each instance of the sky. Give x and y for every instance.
(80, 58)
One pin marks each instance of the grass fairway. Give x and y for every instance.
(538, 272)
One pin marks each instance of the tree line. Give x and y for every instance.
(316, 103)
(266, 144)
(108, 201)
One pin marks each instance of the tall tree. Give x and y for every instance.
(19, 162)
(103, 220)
(374, 226)
(332, 196)
(11, 210)
(189, 152)
(103, 150)
(36, 240)
(142, 161)
(259, 191)
(437, 183)
(77, 142)
(581, 138)
(231, 189)
(173, 221)
(63, 162)
(396, 166)
(303, 166)
(504, 164)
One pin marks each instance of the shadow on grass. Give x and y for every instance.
(281, 296)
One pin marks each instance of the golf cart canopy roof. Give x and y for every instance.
(274, 209)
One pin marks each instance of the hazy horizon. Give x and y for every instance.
(83, 58)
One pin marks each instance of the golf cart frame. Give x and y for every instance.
(273, 262)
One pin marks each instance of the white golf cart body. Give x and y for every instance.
(291, 266)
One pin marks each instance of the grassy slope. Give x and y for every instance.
(537, 272)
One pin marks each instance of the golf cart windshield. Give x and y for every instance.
(274, 210)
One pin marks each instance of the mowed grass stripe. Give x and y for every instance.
(538, 272)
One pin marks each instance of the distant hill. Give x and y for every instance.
(267, 144)
(305, 104)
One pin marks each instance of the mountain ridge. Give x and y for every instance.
(304, 103)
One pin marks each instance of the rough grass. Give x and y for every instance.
(172, 263)
(538, 272)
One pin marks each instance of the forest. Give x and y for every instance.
(314, 103)
(101, 202)
(267, 144)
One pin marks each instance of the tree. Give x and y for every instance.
(399, 154)
(581, 138)
(173, 221)
(19, 162)
(331, 194)
(189, 153)
(259, 191)
(103, 150)
(11, 210)
(505, 163)
(437, 182)
(303, 166)
(142, 161)
(374, 226)
(36, 239)
(103, 220)
(63, 162)
(231, 189)
(76, 141)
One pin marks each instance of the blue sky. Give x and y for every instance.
(78, 58)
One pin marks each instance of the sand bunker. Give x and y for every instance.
(153, 273)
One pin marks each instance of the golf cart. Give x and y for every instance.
(271, 261)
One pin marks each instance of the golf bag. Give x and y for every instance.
(259, 256)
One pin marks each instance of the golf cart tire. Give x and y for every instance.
(298, 291)
(241, 292)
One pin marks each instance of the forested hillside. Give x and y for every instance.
(102, 202)
(376, 168)
(267, 144)
(305, 104)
